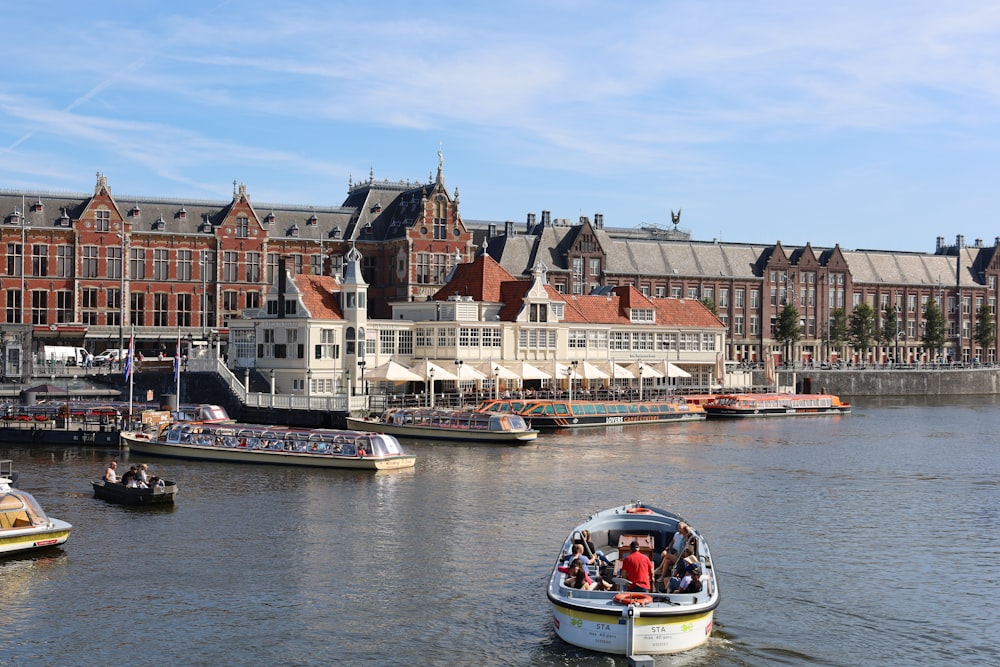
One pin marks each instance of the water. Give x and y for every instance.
(866, 539)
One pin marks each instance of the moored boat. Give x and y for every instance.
(632, 623)
(124, 495)
(551, 414)
(250, 443)
(775, 405)
(465, 425)
(24, 526)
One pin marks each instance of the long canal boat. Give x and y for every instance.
(775, 405)
(552, 414)
(24, 526)
(632, 623)
(249, 443)
(436, 424)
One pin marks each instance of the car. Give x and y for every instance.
(109, 357)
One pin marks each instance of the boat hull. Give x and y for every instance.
(545, 414)
(123, 495)
(584, 421)
(607, 632)
(432, 433)
(52, 534)
(143, 445)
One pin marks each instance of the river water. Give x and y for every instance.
(864, 539)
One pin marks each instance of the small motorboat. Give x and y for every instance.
(24, 526)
(633, 623)
(157, 494)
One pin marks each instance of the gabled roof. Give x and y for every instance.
(317, 294)
(481, 279)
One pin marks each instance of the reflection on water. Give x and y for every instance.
(836, 540)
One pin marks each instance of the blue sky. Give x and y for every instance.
(871, 124)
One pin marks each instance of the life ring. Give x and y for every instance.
(639, 510)
(633, 598)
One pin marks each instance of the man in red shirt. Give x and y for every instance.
(638, 569)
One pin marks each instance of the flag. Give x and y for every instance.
(129, 356)
(177, 361)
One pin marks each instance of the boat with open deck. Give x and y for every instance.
(251, 443)
(775, 405)
(24, 526)
(552, 414)
(632, 623)
(120, 494)
(437, 424)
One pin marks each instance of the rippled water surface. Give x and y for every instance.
(865, 539)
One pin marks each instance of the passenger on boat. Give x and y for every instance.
(689, 583)
(670, 555)
(111, 474)
(588, 548)
(578, 577)
(130, 478)
(638, 569)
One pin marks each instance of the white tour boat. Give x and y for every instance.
(444, 424)
(250, 443)
(24, 526)
(632, 623)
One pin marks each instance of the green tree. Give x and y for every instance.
(986, 329)
(890, 327)
(861, 331)
(933, 336)
(788, 331)
(710, 304)
(838, 329)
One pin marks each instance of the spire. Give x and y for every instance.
(440, 176)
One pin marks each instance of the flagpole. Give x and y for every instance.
(131, 373)
(177, 367)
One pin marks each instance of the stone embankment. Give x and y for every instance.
(895, 382)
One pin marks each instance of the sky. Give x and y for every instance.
(872, 124)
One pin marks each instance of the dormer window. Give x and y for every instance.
(538, 312)
(335, 233)
(642, 315)
(293, 230)
(63, 219)
(312, 220)
(182, 214)
(206, 226)
(558, 310)
(160, 224)
(270, 218)
(135, 211)
(37, 207)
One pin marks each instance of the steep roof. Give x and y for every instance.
(317, 294)
(481, 279)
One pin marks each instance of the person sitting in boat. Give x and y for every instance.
(130, 477)
(111, 474)
(588, 548)
(638, 569)
(578, 577)
(143, 479)
(689, 583)
(670, 555)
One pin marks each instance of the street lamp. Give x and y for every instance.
(496, 381)
(898, 312)
(570, 373)
(640, 384)
(204, 291)
(361, 376)
(121, 294)
(430, 387)
(458, 363)
(270, 372)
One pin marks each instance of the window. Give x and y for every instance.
(230, 303)
(441, 268)
(114, 263)
(39, 307)
(577, 339)
(230, 264)
(14, 262)
(327, 347)
(440, 228)
(88, 262)
(538, 312)
(661, 291)
(404, 342)
(185, 310)
(64, 261)
(64, 306)
(755, 298)
(137, 309)
(39, 260)
(578, 278)
(252, 299)
(102, 221)
(272, 267)
(137, 264)
(161, 264)
(315, 265)
(253, 267)
(491, 338)
(693, 293)
(423, 268)
(161, 310)
(737, 325)
(676, 292)
(738, 298)
(387, 341)
(13, 306)
(242, 227)
(724, 297)
(754, 325)
(113, 314)
(184, 263)
(595, 266)
(88, 304)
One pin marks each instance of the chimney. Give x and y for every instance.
(598, 221)
(940, 244)
(491, 231)
(979, 243)
(508, 229)
(531, 223)
(960, 241)
(546, 218)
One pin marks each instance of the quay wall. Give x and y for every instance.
(893, 382)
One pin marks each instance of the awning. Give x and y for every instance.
(495, 369)
(424, 368)
(647, 371)
(588, 371)
(526, 371)
(465, 371)
(617, 371)
(392, 372)
(675, 371)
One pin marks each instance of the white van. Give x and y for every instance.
(110, 356)
(64, 354)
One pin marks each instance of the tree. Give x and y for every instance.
(788, 331)
(861, 331)
(838, 329)
(933, 336)
(710, 304)
(986, 330)
(887, 334)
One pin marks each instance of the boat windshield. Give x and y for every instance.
(18, 509)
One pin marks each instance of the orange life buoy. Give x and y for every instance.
(633, 598)
(639, 510)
